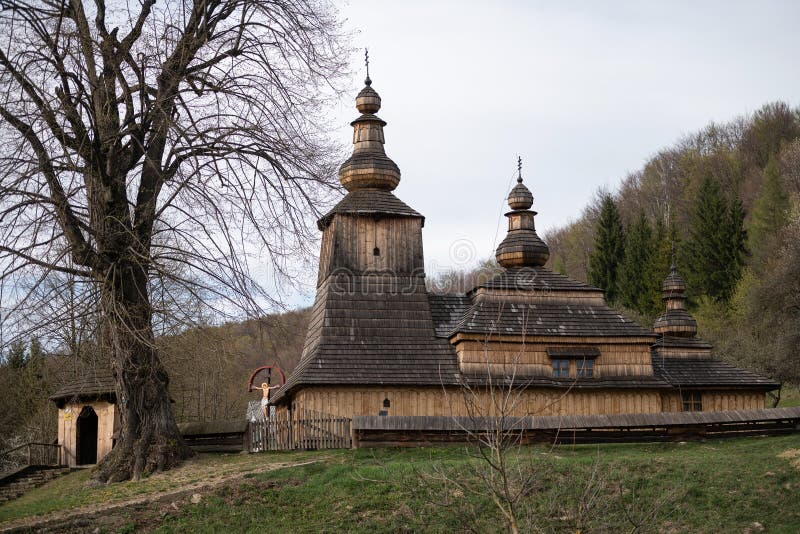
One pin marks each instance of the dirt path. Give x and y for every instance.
(183, 486)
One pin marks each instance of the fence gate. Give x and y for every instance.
(299, 430)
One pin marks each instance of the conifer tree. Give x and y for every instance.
(608, 249)
(664, 243)
(16, 356)
(715, 251)
(770, 211)
(634, 271)
(735, 236)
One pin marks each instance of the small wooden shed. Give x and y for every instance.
(88, 419)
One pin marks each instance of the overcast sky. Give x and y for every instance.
(585, 92)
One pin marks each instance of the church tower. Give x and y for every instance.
(371, 321)
(370, 230)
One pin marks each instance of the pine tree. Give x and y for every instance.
(735, 236)
(634, 270)
(608, 249)
(715, 251)
(770, 212)
(16, 357)
(665, 242)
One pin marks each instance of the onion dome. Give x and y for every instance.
(675, 321)
(369, 167)
(520, 197)
(521, 247)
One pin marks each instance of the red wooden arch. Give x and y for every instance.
(258, 370)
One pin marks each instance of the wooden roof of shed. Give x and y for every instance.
(86, 382)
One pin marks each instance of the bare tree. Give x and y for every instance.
(145, 141)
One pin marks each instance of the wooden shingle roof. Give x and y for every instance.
(370, 202)
(86, 382)
(698, 372)
(534, 278)
(610, 382)
(681, 342)
(447, 311)
(547, 319)
(368, 330)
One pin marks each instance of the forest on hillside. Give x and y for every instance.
(723, 204)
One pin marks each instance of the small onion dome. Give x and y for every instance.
(369, 167)
(673, 285)
(368, 100)
(676, 322)
(520, 197)
(521, 247)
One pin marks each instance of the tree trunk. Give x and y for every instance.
(149, 439)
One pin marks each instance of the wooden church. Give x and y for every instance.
(379, 344)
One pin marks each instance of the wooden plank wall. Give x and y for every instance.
(530, 358)
(67, 429)
(347, 402)
(714, 401)
(351, 401)
(349, 242)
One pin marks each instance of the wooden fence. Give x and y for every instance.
(33, 453)
(664, 426)
(299, 430)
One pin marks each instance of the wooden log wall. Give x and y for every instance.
(531, 359)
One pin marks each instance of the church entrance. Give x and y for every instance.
(86, 438)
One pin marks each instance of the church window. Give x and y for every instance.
(560, 368)
(585, 368)
(692, 401)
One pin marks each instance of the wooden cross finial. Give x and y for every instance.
(366, 62)
(519, 169)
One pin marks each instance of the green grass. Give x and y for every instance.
(712, 486)
(716, 486)
(74, 490)
(790, 396)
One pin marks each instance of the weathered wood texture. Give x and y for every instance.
(444, 402)
(352, 401)
(300, 429)
(67, 429)
(717, 400)
(413, 431)
(531, 358)
(357, 244)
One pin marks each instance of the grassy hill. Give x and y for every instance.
(737, 485)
